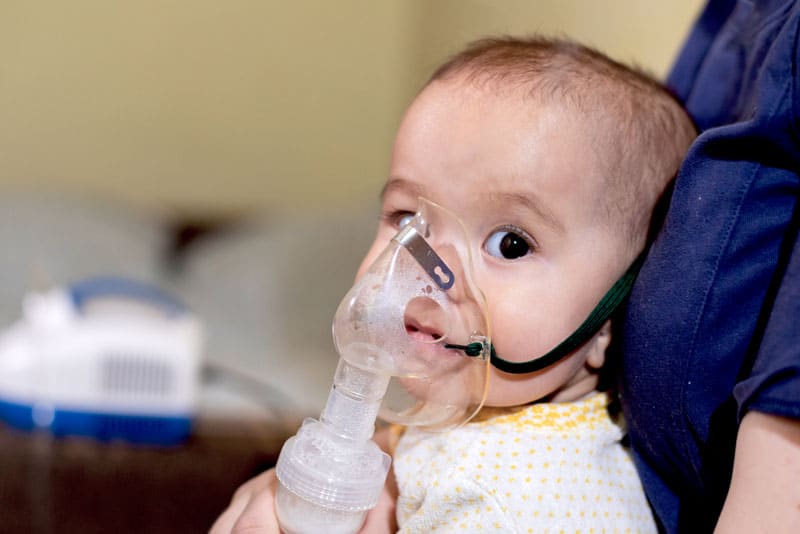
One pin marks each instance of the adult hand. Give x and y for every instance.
(252, 509)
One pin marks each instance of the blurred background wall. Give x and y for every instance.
(209, 108)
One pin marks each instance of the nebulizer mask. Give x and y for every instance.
(401, 333)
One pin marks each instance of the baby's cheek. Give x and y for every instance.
(522, 330)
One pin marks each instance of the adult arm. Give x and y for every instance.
(764, 494)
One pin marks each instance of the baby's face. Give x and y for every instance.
(525, 180)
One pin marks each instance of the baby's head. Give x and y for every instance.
(554, 157)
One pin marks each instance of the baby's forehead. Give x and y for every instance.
(499, 130)
(562, 138)
(465, 95)
(594, 119)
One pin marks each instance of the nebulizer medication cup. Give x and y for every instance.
(390, 331)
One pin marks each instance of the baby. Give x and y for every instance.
(554, 157)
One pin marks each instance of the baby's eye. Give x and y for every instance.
(397, 219)
(402, 219)
(508, 244)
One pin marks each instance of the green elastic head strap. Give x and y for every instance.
(599, 315)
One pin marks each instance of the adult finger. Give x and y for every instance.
(265, 483)
(258, 516)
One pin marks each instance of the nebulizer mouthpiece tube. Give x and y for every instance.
(391, 331)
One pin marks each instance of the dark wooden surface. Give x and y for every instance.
(55, 485)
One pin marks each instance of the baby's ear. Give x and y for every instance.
(598, 345)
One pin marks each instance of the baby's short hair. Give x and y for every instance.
(642, 132)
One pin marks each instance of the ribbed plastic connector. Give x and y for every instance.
(331, 473)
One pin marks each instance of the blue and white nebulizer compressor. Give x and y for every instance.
(109, 358)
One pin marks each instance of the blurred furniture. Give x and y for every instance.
(53, 485)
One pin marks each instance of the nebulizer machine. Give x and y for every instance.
(413, 339)
(105, 357)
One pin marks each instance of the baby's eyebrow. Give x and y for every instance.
(401, 185)
(529, 202)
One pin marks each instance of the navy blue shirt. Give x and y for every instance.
(712, 328)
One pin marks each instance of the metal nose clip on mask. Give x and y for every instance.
(391, 330)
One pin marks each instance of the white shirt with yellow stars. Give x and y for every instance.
(549, 468)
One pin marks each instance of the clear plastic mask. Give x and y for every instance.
(418, 296)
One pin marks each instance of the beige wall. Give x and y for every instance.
(210, 106)
(645, 32)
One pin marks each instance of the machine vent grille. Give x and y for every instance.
(137, 374)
